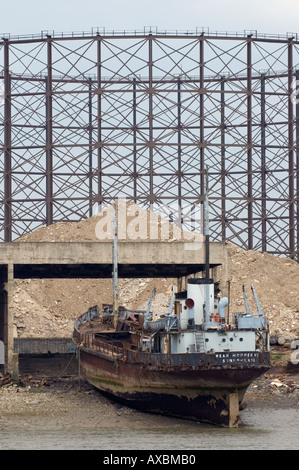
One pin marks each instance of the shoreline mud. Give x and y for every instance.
(71, 403)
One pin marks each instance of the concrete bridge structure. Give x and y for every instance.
(94, 260)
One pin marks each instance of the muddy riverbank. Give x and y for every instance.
(71, 403)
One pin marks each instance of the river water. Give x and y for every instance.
(262, 429)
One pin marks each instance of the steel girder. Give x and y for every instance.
(87, 118)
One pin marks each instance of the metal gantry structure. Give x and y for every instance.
(86, 118)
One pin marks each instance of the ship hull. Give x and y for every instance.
(197, 386)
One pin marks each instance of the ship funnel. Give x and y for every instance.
(199, 293)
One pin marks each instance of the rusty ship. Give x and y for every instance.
(178, 365)
(191, 361)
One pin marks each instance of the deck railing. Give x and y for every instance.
(105, 347)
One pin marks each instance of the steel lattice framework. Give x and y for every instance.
(86, 118)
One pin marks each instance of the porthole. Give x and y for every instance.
(206, 340)
(231, 339)
(241, 339)
(223, 340)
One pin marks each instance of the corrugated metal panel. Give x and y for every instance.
(43, 345)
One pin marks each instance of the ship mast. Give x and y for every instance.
(207, 247)
(115, 268)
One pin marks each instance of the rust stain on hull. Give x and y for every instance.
(201, 393)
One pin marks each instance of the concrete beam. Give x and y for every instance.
(86, 259)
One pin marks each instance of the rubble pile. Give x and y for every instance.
(275, 281)
(48, 307)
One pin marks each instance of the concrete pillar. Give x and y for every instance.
(3, 309)
(179, 284)
(224, 273)
(7, 286)
(182, 283)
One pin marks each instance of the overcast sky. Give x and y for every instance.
(33, 16)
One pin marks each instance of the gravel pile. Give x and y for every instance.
(48, 307)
